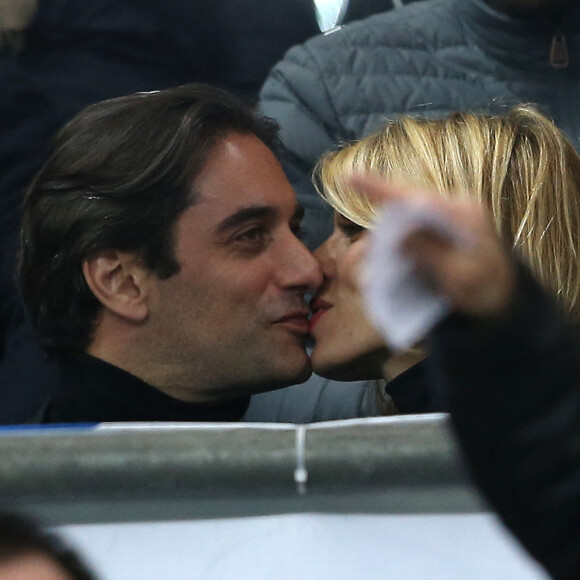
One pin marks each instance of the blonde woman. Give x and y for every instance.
(518, 165)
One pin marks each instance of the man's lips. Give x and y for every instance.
(318, 308)
(296, 321)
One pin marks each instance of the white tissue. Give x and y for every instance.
(401, 306)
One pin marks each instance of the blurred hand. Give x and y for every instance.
(477, 278)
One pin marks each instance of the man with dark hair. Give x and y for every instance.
(160, 261)
(28, 552)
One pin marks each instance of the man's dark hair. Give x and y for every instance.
(20, 537)
(119, 175)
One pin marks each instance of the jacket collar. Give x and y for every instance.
(519, 43)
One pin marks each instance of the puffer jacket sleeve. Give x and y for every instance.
(514, 395)
(295, 94)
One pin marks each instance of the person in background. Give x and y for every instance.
(426, 59)
(518, 165)
(28, 553)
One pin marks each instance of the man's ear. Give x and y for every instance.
(120, 282)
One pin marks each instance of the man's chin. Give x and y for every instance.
(288, 377)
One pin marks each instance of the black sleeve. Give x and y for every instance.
(513, 388)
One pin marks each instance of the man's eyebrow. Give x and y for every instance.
(244, 215)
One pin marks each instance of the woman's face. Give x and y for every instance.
(347, 346)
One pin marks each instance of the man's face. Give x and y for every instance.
(234, 321)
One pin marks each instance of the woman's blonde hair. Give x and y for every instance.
(519, 165)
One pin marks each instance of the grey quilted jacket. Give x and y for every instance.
(427, 58)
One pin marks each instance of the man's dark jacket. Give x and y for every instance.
(513, 389)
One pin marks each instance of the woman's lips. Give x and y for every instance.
(318, 308)
(316, 317)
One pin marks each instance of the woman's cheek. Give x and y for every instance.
(351, 267)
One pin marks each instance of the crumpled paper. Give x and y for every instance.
(402, 306)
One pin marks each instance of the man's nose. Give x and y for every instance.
(301, 269)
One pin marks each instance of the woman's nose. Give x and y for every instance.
(324, 254)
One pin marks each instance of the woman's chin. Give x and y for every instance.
(344, 370)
